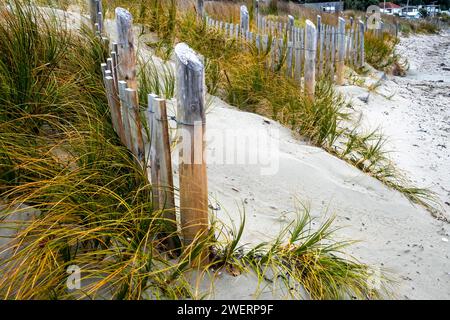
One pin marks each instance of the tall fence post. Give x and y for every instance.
(258, 27)
(127, 70)
(190, 76)
(200, 9)
(310, 58)
(290, 27)
(244, 20)
(320, 38)
(341, 52)
(96, 15)
(361, 43)
(161, 164)
(93, 13)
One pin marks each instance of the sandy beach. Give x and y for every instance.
(413, 113)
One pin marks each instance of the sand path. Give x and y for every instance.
(414, 113)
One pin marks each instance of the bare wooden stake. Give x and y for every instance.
(290, 27)
(93, 13)
(125, 115)
(200, 9)
(192, 168)
(244, 20)
(341, 52)
(114, 106)
(310, 58)
(161, 167)
(135, 122)
(127, 69)
(361, 43)
(321, 39)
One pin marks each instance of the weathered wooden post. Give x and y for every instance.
(244, 20)
(320, 38)
(93, 13)
(192, 165)
(125, 115)
(257, 15)
(114, 106)
(127, 70)
(200, 9)
(290, 27)
(161, 167)
(361, 43)
(341, 52)
(310, 58)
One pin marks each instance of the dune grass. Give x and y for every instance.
(59, 155)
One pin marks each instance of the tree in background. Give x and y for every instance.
(360, 5)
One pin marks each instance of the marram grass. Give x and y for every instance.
(60, 157)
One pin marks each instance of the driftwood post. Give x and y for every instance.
(127, 69)
(125, 115)
(93, 13)
(310, 58)
(114, 105)
(161, 164)
(290, 27)
(320, 38)
(244, 20)
(200, 9)
(361, 43)
(341, 52)
(190, 75)
(257, 15)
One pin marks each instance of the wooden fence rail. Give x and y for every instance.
(292, 48)
(121, 85)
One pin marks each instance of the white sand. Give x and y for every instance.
(414, 113)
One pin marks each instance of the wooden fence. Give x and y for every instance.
(151, 148)
(303, 53)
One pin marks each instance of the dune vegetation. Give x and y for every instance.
(59, 155)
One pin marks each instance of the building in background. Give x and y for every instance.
(390, 8)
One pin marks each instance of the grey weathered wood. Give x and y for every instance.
(115, 62)
(290, 27)
(289, 52)
(361, 43)
(93, 5)
(114, 106)
(310, 58)
(100, 22)
(244, 19)
(257, 15)
(163, 197)
(299, 56)
(320, 38)
(333, 53)
(200, 9)
(127, 69)
(104, 67)
(135, 122)
(341, 51)
(124, 111)
(281, 52)
(126, 48)
(355, 44)
(190, 75)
